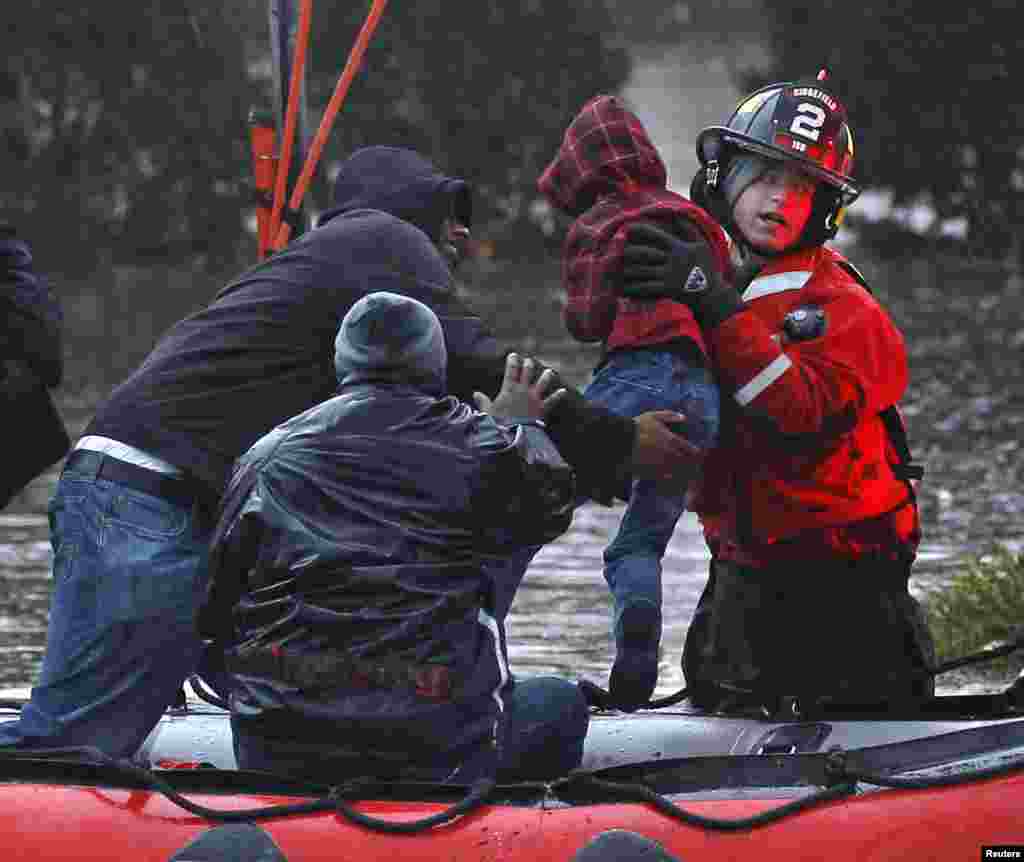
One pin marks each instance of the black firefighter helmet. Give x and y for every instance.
(799, 121)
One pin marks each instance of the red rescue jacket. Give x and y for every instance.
(806, 467)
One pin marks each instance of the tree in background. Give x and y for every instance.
(934, 94)
(123, 126)
(123, 129)
(485, 89)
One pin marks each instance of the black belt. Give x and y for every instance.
(176, 489)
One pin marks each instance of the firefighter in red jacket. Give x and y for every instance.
(807, 504)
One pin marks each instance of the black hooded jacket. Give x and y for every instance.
(31, 362)
(33, 318)
(403, 183)
(262, 350)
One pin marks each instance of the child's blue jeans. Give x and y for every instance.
(631, 382)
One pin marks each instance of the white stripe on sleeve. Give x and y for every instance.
(762, 380)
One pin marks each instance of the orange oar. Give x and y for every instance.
(355, 57)
(295, 80)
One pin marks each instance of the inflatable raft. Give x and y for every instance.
(672, 784)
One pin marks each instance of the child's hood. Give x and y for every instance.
(604, 150)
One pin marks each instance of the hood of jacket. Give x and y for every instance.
(402, 183)
(387, 337)
(605, 150)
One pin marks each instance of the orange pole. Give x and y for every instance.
(355, 58)
(291, 114)
(263, 141)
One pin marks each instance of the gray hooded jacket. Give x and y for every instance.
(348, 555)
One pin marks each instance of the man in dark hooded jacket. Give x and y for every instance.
(131, 515)
(31, 363)
(349, 566)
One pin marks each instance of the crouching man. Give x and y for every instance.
(346, 571)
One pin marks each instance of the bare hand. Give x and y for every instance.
(522, 397)
(660, 453)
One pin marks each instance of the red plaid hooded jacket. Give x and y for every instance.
(607, 174)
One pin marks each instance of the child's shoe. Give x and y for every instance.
(635, 671)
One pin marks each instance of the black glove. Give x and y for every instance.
(658, 265)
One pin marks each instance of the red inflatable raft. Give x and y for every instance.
(941, 784)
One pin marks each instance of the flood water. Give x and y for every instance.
(963, 410)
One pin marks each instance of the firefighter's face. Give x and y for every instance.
(772, 211)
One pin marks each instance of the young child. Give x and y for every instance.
(807, 502)
(607, 175)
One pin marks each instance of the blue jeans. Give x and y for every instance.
(546, 721)
(631, 382)
(129, 572)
